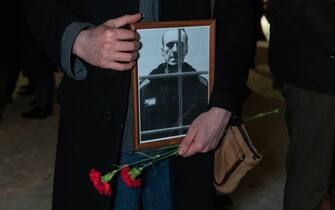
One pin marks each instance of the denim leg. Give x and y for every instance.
(152, 195)
(156, 190)
(127, 198)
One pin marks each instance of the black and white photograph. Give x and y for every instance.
(172, 81)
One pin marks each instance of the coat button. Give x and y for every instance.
(108, 116)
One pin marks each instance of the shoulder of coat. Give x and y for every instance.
(144, 83)
(203, 81)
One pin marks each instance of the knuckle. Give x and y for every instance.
(136, 54)
(104, 49)
(133, 56)
(115, 45)
(198, 146)
(104, 56)
(131, 46)
(137, 36)
(133, 35)
(110, 34)
(128, 57)
(124, 67)
(131, 65)
(121, 67)
(102, 63)
(136, 45)
(206, 149)
(115, 66)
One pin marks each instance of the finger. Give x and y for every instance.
(194, 148)
(124, 56)
(124, 34)
(201, 143)
(124, 20)
(187, 141)
(118, 66)
(127, 46)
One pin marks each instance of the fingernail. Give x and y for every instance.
(142, 14)
(181, 152)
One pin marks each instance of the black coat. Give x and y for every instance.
(302, 43)
(93, 110)
(159, 102)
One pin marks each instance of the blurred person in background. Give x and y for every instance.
(2, 88)
(302, 56)
(39, 69)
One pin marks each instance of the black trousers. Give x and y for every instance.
(44, 87)
(310, 119)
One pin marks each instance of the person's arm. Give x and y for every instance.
(66, 38)
(71, 64)
(234, 25)
(315, 19)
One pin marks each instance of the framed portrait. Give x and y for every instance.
(172, 80)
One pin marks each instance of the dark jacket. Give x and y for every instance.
(302, 43)
(93, 110)
(159, 102)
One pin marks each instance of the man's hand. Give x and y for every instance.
(205, 132)
(109, 46)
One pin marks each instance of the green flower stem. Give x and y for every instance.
(259, 115)
(171, 153)
(173, 146)
(109, 176)
(154, 157)
(169, 148)
(144, 154)
(140, 161)
(134, 172)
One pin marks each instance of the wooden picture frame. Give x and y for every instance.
(172, 80)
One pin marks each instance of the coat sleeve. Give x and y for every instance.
(234, 27)
(310, 18)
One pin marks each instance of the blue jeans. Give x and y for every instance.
(152, 195)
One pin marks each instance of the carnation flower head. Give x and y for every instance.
(99, 184)
(130, 176)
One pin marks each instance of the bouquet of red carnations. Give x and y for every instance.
(130, 172)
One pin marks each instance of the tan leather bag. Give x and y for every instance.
(234, 157)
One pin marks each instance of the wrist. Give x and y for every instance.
(220, 112)
(77, 48)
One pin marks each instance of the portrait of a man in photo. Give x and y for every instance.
(173, 93)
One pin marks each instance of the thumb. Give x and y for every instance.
(124, 20)
(186, 142)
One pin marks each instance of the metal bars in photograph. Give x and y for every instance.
(172, 79)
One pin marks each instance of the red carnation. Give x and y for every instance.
(129, 176)
(102, 187)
